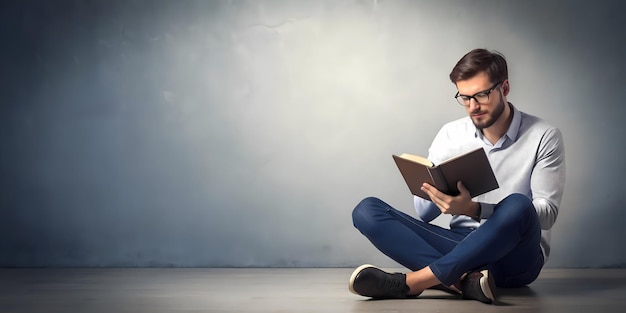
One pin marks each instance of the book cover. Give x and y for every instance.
(472, 168)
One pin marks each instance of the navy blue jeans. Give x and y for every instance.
(507, 244)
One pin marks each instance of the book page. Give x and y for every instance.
(418, 159)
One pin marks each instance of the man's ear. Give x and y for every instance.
(506, 88)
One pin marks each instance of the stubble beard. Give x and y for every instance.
(493, 118)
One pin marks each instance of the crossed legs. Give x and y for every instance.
(508, 244)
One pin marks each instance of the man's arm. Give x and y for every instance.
(548, 177)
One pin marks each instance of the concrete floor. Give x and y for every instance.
(282, 290)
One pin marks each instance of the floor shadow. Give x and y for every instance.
(517, 292)
(511, 294)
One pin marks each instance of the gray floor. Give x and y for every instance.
(282, 290)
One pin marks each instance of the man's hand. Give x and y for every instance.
(455, 205)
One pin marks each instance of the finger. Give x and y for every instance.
(426, 188)
(438, 198)
(461, 187)
(429, 190)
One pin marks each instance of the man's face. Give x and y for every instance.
(486, 114)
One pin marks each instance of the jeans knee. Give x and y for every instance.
(518, 207)
(519, 201)
(518, 197)
(364, 212)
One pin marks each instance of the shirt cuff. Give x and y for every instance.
(486, 209)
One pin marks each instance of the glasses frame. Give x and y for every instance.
(462, 101)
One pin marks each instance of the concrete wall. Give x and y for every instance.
(242, 133)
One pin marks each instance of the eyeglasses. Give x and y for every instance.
(480, 97)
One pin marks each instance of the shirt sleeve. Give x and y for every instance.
(426, 210)
(548, 177)
(486, 209)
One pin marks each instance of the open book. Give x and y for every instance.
(472, 169)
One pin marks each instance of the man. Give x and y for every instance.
(500, 238)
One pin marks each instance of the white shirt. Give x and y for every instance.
(529, 159)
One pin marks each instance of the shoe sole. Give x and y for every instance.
(487, 285)
(355, 273)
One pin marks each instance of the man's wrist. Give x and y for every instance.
(477, 211)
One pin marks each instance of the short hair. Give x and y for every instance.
(480, 60)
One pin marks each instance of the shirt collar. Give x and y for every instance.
(513, 130)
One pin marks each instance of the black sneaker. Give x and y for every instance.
(479, 286)
(370, 281)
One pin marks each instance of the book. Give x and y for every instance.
(472, 169)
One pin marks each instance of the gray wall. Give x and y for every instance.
(242, 133)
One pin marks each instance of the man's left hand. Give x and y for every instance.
(461, 204)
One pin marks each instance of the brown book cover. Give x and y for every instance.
(471, 168)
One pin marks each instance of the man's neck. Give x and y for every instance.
(500, 127)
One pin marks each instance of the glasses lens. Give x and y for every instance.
(482, 98)
(462, 100)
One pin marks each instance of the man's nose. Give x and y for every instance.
(473, 104)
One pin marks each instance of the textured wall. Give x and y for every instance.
(242, 133)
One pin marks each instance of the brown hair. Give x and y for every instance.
(480, 60)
